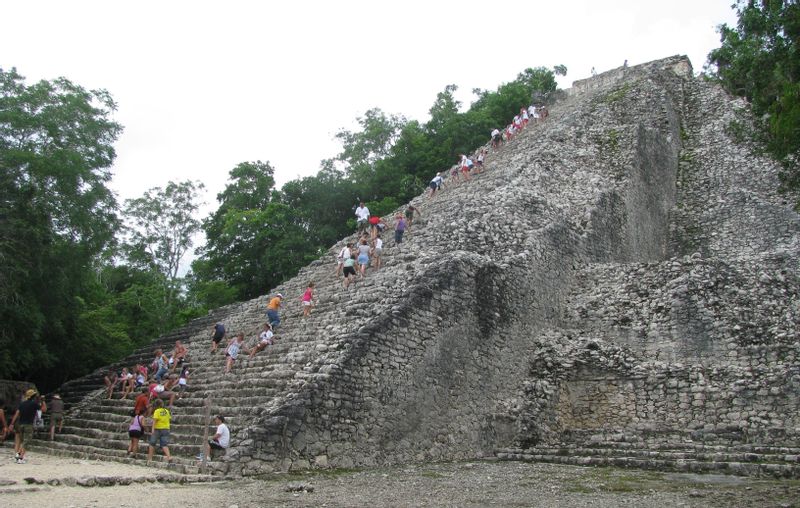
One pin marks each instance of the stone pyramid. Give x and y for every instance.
(619, 286)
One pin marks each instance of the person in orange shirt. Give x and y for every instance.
(272, 311)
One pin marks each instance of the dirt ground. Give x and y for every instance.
(464, 484)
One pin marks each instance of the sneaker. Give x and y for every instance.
(21, 461)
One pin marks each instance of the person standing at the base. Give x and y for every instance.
(159, 431)
(272, 311)
(56, 415)
(25, 414)
(135, 432)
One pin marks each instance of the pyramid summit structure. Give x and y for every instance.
(619, 286)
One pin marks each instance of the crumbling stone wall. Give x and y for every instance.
(703, 339)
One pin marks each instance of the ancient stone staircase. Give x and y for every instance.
(96, 427)
(537, 312)
(687, 452)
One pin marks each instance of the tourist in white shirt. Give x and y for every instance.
(436, 184)
(221, 439)
(362, 216)
(496, 138)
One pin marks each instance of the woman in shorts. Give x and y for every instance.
(232, 353)
(435, 184)
(343, 254)
(183, 380)
(128, 382)
(465, 166)
(349, 271)
(363, 257)
(308, 299)
(377, 249)
(135, 432)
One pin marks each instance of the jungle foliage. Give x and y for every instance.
(759, 60)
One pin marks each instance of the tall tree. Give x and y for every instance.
(254, 241)
(759, 59)
(56, 216)
(161, 230)
(362, 149)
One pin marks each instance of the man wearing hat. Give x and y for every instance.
(26, 413)
(272, 311)
(56, 414)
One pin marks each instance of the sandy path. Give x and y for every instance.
(478, 484)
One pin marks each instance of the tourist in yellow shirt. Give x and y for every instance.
(159, 431)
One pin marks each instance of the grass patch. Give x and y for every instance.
(617, 481)
(613, 140)
(617, 95)
(431, 474)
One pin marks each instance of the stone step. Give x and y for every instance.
(104, 425)
(187, 465)
(219, 406)
(182, 447)
(732, 437)
(655, 462)
(715, 454)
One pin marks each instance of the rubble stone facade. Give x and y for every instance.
(625, 272)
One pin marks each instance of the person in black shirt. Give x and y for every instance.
(26, 413)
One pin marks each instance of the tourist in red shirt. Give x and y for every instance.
(142, 401)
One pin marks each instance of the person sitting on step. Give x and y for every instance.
(183, 380)
(128, 382)
(160, 365)
(265, 339)
(178, 355)
(220, 441)
(111, 379)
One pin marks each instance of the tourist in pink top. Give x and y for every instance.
(308, 299)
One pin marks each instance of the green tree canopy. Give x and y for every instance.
(161, 228)
(254, 241)
(759, 59)
(56, 217)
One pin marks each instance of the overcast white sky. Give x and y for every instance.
(202, 86)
